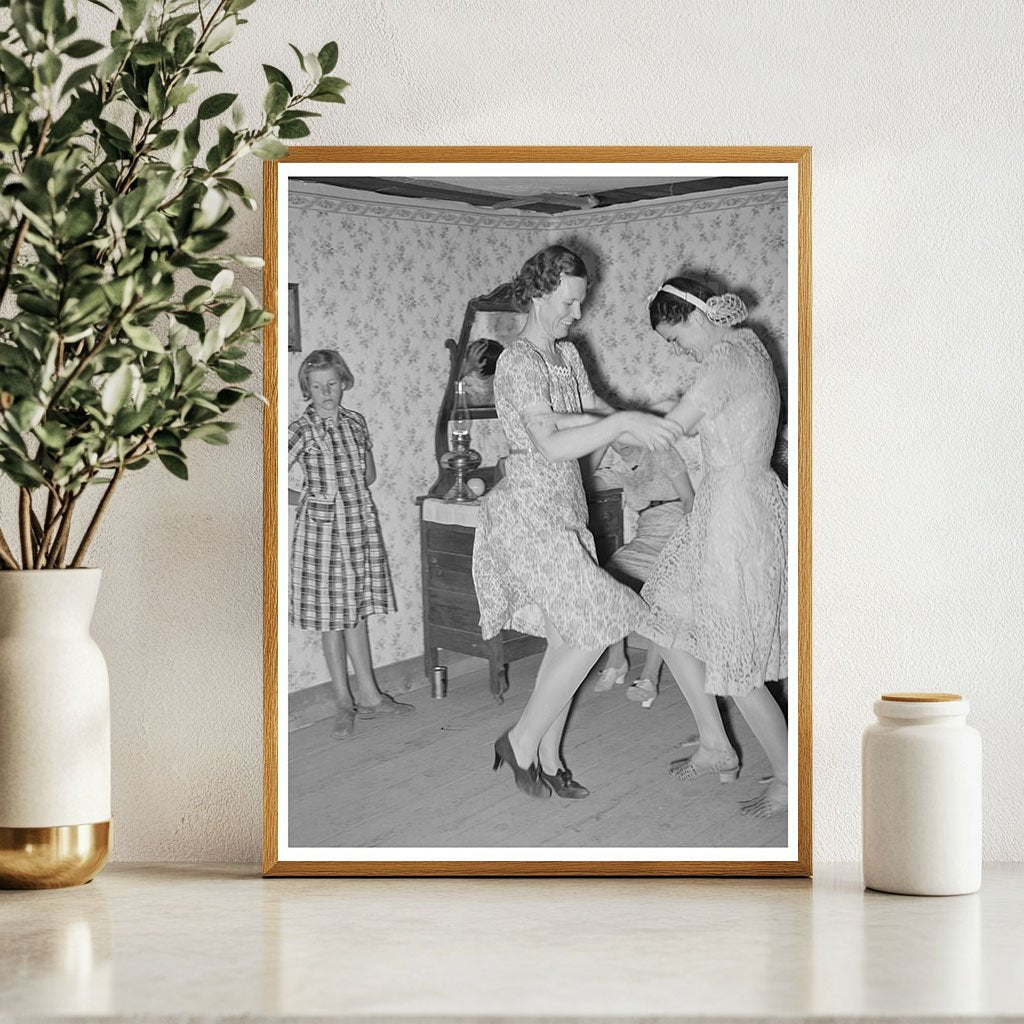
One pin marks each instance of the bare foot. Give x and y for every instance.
(774, 800)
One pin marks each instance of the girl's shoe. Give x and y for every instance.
(387, 708)
(643, 691)
(344, 723)
(562, 784)
(723, 763)
(527, 779)
(613, 675)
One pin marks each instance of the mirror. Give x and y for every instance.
(490, 324)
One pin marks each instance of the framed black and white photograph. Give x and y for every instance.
(537, 512)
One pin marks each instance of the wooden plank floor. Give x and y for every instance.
(425, 779)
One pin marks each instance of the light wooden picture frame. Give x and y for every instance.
(387, 246)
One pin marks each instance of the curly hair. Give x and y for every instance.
(324, 359)
(542, 273)
(668, 309)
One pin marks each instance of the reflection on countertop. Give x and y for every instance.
(178, 941)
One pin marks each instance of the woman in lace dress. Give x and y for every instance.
(718, 593)
(534, 563)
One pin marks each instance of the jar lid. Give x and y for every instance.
(921, 705)
(921, 698)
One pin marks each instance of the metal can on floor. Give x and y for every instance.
(439, 683)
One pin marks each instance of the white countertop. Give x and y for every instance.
(174, 942)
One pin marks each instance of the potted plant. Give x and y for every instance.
(122, 340)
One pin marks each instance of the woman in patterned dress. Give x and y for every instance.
(338, 571)
(534, 563)
(718, 593)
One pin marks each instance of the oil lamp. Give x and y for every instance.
(461, 459)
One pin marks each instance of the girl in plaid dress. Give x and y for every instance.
(339, 571)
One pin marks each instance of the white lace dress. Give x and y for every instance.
(719, 589)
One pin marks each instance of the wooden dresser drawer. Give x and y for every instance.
(445, 537)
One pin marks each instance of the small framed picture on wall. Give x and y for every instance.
(294, 330)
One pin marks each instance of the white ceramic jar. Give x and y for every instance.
(921, 777)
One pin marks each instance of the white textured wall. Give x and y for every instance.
(913, 110)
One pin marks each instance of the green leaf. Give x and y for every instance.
(149, 53)
(221, 35)
(115, 133)
(129, 208)
(11, 355)
(175, 465)
(116, 390)
(53, 435)
(83, 48)
(232, 373)
(11, 442)
(232, 319)
(223, 280)
(67, 28)
(276, 100)
(53, 14)
(195, 296)
(211, 433)
(26, 21)
(328, 58)
(334, 84)
(325, 96)
(109, 65)
(181, 94)
(16, 70)
(254, 262)
(26, 413)
(129, 421)
(274, 76)
(269, 149)
(310, 65)
(77, 79)
(37, 304)
(193, 379)
(184, 44)
(162, 139)
(21, 471)
(165, 376)
(227, 397)
(49, 68)
(133, 13)
(292, 130)
(156, 101)
(215, 105)
(144, 338)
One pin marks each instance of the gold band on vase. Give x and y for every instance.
(52, 857)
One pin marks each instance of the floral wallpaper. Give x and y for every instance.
(386, 281)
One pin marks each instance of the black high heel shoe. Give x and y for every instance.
(564, 785)
(526, 778)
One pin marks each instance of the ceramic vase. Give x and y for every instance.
(54, 731)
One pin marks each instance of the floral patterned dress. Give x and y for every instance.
(338, 571)
(719, 589)
(533, 556)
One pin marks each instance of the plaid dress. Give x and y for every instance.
(339, 570)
